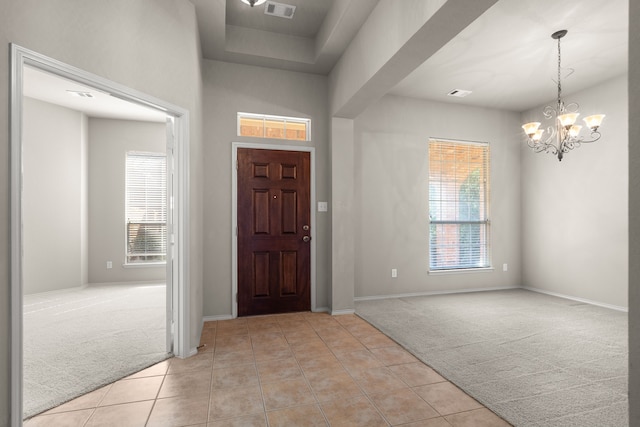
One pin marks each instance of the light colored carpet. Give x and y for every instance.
(534, 359)
(80, 339)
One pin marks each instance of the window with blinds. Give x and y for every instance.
(146, 207)
(458, 205)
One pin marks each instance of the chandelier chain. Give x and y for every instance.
(559, 82)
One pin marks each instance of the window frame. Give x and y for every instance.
(128, 262)
(485, 220)
(269, 117)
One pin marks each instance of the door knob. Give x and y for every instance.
(306, 238)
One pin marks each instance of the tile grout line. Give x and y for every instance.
(94, 409)
(255, 365)
(358, 384)
(366, 395)
(387, 366)
(164, 377)
(318, 403)
(409, 387)
(213, 361)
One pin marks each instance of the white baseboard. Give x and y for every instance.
(431, 293)
(91, 285)
(343, 311)
(140, 283)
(192, 352)
(229, 317)
(57, 291)
(218, 317)
(584, 300)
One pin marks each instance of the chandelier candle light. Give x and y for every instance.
(566, 134)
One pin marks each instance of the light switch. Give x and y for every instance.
(323, 207)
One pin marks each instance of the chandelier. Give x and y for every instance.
(565, 136)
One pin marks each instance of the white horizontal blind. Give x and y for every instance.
(458, 205)
(146, 207)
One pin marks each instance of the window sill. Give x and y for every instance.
(145, 265)
(461, 271)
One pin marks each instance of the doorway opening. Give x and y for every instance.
(173, 131)
(297, 231)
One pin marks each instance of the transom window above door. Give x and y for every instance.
(274, 127)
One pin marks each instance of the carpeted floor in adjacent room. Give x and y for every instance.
(534, 359)
(80, 339)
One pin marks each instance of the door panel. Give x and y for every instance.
(274, 253)
(289, 209)
(261, 212)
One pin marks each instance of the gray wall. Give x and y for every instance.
(343, 218)
(391, 187)
(84, 200)
(634, 213)
(228, 89)
(109, 142)
(149, 45)
(575, 212)
(75, 170)
(53, 165)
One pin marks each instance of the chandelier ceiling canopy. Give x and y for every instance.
(253, 2)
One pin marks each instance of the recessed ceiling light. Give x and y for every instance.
(460, 93)
(253, 2)
(80, 94)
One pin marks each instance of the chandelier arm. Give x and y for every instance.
(572, 107)
(539, 147)
(594, 135)
(549, 112)
(570, 145)
(573, 143)
(548, 148)
(551, 132)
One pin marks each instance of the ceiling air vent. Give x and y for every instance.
(460, 93)
(279, 9)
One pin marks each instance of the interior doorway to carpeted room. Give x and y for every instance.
(93, 310)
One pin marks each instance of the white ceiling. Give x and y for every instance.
(508, 58)
(53, 89)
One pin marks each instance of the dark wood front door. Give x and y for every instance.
(274, 250)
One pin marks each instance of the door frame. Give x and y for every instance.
(234, 214)
(178, 267)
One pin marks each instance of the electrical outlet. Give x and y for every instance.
(394, 272)
(109, 264)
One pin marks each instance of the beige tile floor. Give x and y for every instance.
(303, 369)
